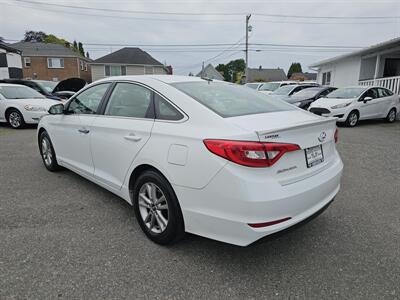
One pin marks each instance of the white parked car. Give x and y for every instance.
(20, 105)
(254, 85)
(200, 156)
(269, 87)
(352, 104)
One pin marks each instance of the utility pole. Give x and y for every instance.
(247, 44)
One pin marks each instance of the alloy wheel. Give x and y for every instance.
(46, 152)
(353, 119)
(392, 115)
(15, 119)
(153, 208)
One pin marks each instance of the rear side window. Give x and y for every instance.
(165, 111)
(231, 100)
(130, 100)
(384, 93)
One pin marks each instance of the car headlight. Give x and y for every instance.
(34, 108)
(340, 105)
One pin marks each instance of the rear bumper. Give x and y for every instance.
(224, 208)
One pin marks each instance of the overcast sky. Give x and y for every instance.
(139, 29)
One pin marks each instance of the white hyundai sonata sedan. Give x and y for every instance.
(191, 155)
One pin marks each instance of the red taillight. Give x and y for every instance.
(270, 223)
(250, 154)
(336, 135)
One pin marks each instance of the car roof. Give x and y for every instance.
(162, 78)
(11, 84)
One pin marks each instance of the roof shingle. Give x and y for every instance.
(128, 56)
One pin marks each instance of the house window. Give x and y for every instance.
(114, 70)
(326, 78)
(81, 63)
(85, 66)
(55, 63)
(148, 70)
(27, 62)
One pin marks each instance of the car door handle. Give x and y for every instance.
(84, 130)
(133, 137)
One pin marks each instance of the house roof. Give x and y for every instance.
(128, 56)
(266, 75)
(8, 48)
(45, 49)
(210, 72)
(365, 51)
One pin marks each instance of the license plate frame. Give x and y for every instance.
(314, 156)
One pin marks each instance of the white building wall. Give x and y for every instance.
(14, 60)
(97, 72)
(344, 72)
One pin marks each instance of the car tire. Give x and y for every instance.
(352, 119)
(15, 119)
(391, 116)
(47, 152)
(157, 208)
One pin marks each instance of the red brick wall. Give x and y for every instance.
(39, 70)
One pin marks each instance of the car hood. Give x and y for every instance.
(70, 84)
(44, 102)
(329, 102)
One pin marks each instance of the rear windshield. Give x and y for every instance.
(283, 90)
(309, 92)
(19, 92)
(231, 100)
(270, 86)
(253, 86)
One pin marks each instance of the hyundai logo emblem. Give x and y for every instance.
(322, 136)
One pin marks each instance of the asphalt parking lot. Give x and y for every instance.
(62, 236)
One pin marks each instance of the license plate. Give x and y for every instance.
(314, 156)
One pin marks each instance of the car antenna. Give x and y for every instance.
(206, 78)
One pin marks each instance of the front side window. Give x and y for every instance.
(110, 70)
(89, 100)
(373, 93)
(165, 111)
(231, 100)
(55, 63)
(130, 100)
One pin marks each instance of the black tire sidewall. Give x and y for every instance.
(175, 226)
(20, 114)
(54, 165)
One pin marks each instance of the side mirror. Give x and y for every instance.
(57, 109)
(366, 99)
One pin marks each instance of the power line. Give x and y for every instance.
(108, 10)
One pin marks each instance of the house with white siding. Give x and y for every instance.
(127, 61)
(375, 65)
(10, 62)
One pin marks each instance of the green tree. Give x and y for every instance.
(80, 49)
(294, 68)
(34, 36)
(87, 54)
(75, 46)
(232, 70)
